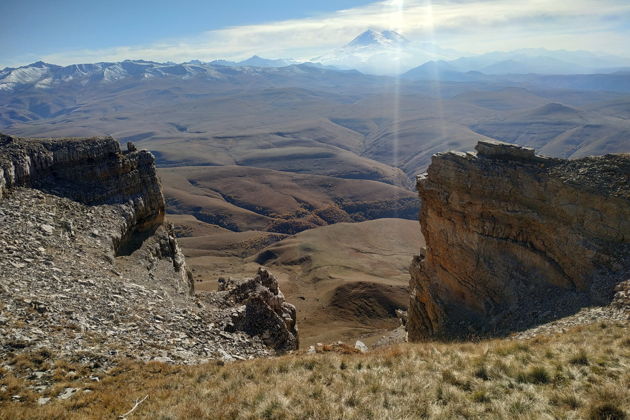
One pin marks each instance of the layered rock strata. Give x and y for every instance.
(92, 171)
(514, 239)
(262, 310)
(90, 271)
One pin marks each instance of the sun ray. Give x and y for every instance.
(397, 23)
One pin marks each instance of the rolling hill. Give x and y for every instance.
(269, 165)
(243, 198)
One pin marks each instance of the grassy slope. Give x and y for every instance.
(345, 279)
(583, 373)
(245, 198)
(353, 132)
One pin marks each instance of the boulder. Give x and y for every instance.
(360, 345)
(266, 313)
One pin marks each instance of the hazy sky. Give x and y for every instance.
(79, 31)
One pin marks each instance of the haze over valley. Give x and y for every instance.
(357, 209)
(264, 161)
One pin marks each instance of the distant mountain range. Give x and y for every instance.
(521, 62)
(613, 80)
(254, 61)
(42, 75)
(372, 52)
(541, 61)
(390, 53)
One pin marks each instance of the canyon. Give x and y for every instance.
(250, 157)
(98, 306)
(423, 214)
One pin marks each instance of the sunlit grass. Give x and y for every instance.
(580, 374)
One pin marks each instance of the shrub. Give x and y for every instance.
(480, 397)
(536, 375)
(607, 411)
(569, 401)
(482, 373)
(580, 359)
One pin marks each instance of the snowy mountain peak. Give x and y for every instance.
(372, 37)
(41, 75)
(382, 52)
(257, 61)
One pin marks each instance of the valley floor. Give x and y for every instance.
(346, 279)
(581, 373)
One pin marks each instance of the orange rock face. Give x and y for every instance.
(514, 239)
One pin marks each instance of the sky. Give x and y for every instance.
(82, 31)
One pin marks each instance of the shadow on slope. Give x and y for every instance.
(346, 279)
(243, 198)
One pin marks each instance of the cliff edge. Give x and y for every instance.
(90, 270)
(515, 239)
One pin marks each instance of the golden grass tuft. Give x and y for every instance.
(551, 377)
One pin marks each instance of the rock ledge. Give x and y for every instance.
(515, 239)
(89, 270)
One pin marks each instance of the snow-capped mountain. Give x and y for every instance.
(383, 52)
(256, 61)
(43, 75)
(384, 39)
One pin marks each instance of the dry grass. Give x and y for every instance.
(581, 374)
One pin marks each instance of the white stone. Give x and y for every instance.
(67, 393)
(360, 345)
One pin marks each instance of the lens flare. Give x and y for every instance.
(398, 20)
(436, 86)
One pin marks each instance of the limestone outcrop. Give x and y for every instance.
(263, 310)
(89, 269)
(92, 171)
(514, 239)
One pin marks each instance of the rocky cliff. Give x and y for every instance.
(89, 268)
(514, 239)
(92, 171)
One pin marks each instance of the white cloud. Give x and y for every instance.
(466, 25)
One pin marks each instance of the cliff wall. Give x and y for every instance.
(514, 239)
(89, 269)
(92, 171)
